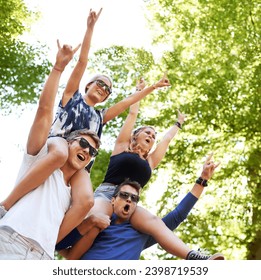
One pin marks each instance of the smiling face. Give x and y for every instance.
(98, 90)
(124, 208)
(80, 156)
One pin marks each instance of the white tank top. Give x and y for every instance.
(38, 215)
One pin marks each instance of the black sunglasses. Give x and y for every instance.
(85, 144)
(104, 86)
(125, 195)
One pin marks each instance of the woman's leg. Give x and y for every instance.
(40, 171)
(143, 221)
(89, 228)
(96, 217)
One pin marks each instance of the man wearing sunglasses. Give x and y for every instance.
(77, 111)
(86, 145)
(120, 240)
(30, 228)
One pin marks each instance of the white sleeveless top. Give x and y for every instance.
(39, 214)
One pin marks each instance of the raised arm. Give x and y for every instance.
(123, 139)
(44, 115)
(121, 106)
(157, 155)
(180, 213)
(208, 170)
(78, 71)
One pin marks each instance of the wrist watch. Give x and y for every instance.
(202, 182)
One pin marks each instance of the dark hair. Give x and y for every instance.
(133, 184)
(87, 132)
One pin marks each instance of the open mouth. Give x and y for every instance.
(147, 140)
(126, 208)
(81, 157)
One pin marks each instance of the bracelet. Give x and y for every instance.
(58, 69)
(178, 124)
(202, 182)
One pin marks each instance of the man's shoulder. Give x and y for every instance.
(42, 152)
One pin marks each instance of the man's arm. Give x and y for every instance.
(73, 246)
(78, 210)
(180, 213)
(176, 216)
(44, 115)
(69, 240)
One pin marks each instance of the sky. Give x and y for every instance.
(121, 22)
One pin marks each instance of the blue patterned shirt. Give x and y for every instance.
(76, 115)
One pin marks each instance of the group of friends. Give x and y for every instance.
(53, 207)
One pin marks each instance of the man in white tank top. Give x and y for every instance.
(30, 228)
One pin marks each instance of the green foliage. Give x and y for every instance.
(23, 67)
(212, 54)
(99, 168)
(14, 18)
(125, 66)
(213, 61)
(214, 66)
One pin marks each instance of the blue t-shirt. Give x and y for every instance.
(122, 241)
(76, 114)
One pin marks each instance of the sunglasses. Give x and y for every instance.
(85, 144)
(104, 86)
(125, 195)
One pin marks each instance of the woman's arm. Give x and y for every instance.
(78, 71)
(157, 155)
(123, 139)
(121, 106)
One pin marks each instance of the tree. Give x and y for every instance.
(125, 66)
(23, 67)
(213, 61)
(214, 66)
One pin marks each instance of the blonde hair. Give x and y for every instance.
(134, 135)
(96, 77)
